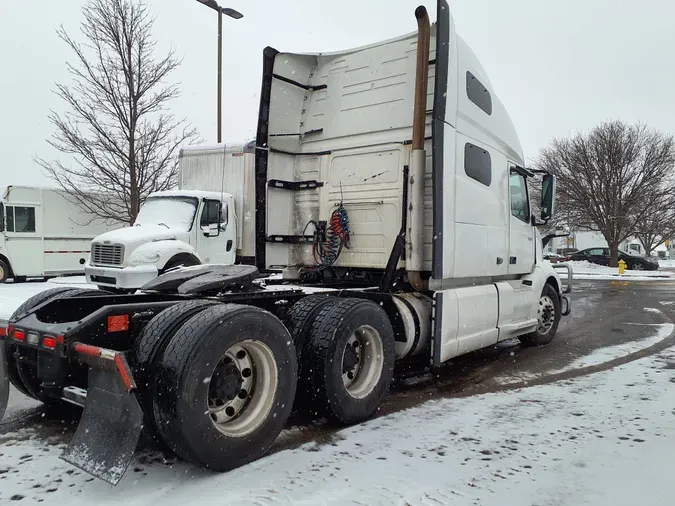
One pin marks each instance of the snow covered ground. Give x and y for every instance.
(601, 439)
(588, 270)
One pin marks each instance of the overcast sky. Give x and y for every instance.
(557, 66)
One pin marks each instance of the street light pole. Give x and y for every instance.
(234, 15)
(220, 76)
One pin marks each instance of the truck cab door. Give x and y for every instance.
(215, 233)
(521, 231)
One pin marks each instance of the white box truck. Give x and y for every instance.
(208, 220)
(44, 232)
(423, 241)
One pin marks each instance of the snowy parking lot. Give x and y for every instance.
(598, 439)
(601, 439)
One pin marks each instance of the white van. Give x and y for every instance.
(43, 233)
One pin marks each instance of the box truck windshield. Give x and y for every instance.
(174, 212)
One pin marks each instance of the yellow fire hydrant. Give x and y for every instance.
(622, 267)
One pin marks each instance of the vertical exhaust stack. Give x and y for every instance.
(415, 233)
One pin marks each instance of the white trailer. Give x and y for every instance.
(208, 220)
(417, 226)
(45, 233)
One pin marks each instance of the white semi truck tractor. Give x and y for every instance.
(205, 221)
(417, 227)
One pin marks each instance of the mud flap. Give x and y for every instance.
(4, 380)
(111, 424)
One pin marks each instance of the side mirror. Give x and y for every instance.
(547, 204)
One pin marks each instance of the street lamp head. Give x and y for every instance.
(210, 3)
(234, 14)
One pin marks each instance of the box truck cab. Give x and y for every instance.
(173, 228)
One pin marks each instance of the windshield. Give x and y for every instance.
(174, 212)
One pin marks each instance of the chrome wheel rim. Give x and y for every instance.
(241, 388)
(362, 361)
(545, 315)
(638, 267)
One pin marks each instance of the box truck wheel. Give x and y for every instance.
(225, 386)
(348, 361)
(4, 271)
(22, 376)
(548, 318)
(147, 350)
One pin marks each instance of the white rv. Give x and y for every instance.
(201, 223)
(44, 233)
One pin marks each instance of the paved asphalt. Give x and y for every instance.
(604, 313)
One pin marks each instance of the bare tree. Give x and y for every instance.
(608, 178)
(122, 141)
(657, 225)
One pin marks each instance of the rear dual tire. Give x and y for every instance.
(347, 359)
(225, 386)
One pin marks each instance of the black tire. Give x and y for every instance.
(147, 350)
(181, 403)
(299, 320)
(322, 389)
(539, 337)
(636, 266)
(23, 377)
(4, 271)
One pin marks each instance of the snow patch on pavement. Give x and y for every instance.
(601, 355)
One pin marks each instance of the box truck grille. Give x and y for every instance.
(107, 254)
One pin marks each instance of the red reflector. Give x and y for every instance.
(3, 331)
(59, 339)
(19, 335)
(49, 342)
(10, 329)
(121, 367)
(118, 323)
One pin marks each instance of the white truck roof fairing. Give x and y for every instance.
(344, 119)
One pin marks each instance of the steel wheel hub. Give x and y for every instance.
(545, 314)
(242, 387)
(362, 361)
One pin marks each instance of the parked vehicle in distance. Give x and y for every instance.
(600, 256)
(554, 258)
(43, 232)
(200, 223)
(567, 252)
